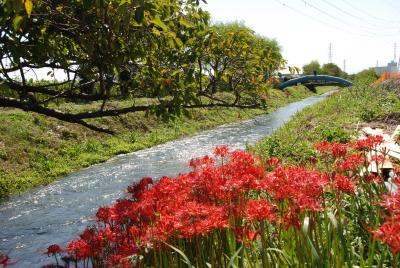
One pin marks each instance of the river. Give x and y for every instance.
(58, 212)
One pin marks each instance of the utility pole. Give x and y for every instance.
(344, 65)
(330, 53)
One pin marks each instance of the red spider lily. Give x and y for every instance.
(137, 189)
(377, 159)
(372, 178)
(80, 249)
(351, 163)
(231, 195)
(221, 151)
(303, 188)
(291, 218)
(273, 162)
(115, 260)
(336, 150)
(324, 147)
(203, 161)
(259, 210)
(391, 202)
(103, 214)
(339, 150)
(5, 260)
(246, 234)
(368, 143)
(344, 184)
(389, 233)
(53, 249)
(396, 180)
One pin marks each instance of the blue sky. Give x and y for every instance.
(361, 31)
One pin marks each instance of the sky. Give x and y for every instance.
(361, 32)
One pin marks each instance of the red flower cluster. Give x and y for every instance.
(197, 203)
(369, 143)
(389, 232)
(5, 260)
(391, 203)
(344, 184)
(190, 205)
(351, 163)
(300, 187)
(337, 150)
(53, 249)
(231, 191)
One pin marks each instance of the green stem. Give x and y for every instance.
(263, 246)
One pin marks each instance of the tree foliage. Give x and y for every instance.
(368, 75)
(233, 58)
(108, 49)
(312, 67)
(332, 69)
(326, 69)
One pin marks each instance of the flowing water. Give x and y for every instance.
(58, 212)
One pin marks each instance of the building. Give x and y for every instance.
(392, 67)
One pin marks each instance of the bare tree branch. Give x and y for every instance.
(26, 106)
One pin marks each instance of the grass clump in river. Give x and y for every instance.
(334, 119)
(35, 150)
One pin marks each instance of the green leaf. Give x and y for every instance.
(233, 258)
(139, 14)
(156, 32)
(157, 21)
(17, 22)
(283, 253)
(180, 252)
(184, 22)
(178, 41)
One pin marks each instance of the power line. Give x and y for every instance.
(339, 20)
(376, 26)
(369, 14)
(322, 22)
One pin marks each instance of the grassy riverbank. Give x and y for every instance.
(335, 119)
(36, 150)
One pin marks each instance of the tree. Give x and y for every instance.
(333, 70)
(106, 48)
(233, 58)
(112, 49)
(311, 68)
(368, 75)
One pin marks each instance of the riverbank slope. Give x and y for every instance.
(335, 119)
(36, 150)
